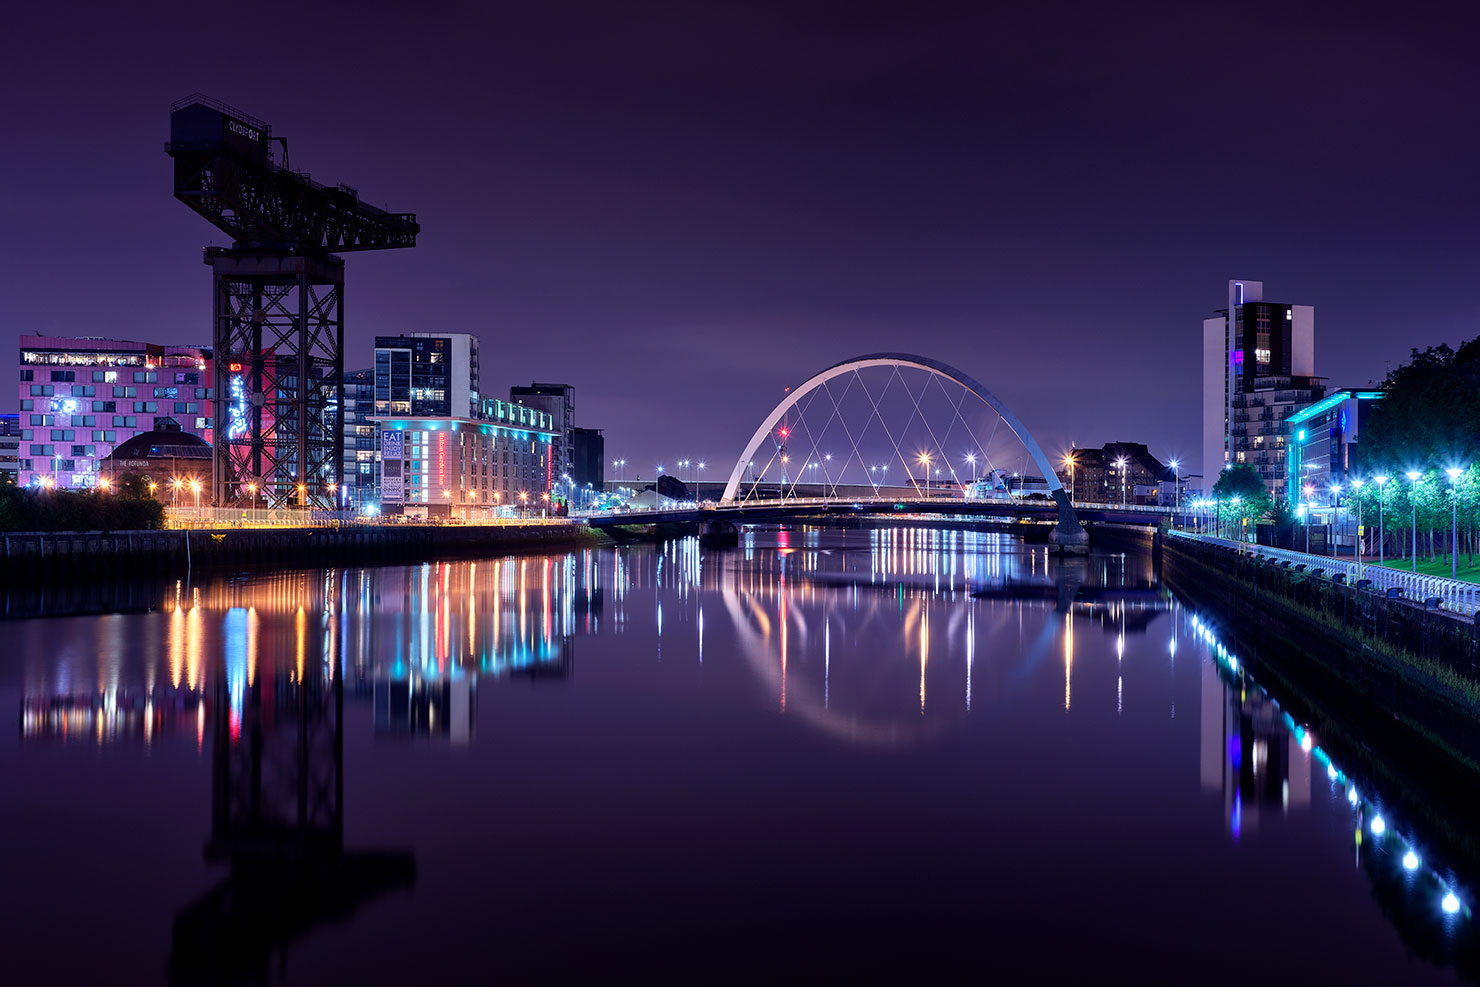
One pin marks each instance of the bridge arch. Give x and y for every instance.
(1069, 523)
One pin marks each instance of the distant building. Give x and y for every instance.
(588, 458)
(361, 445)
(1098, 476)
(559, 402)
(427, 375)
(169, 458)
(1258, 369)
(466, 467)
(81, 397)
(10, 447)
(1322, 436)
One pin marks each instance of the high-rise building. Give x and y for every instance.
(10, 448)
(1258, 370)
(587, 459)
(80, 397)
(426, 374)
(559, 402)
(361, 445)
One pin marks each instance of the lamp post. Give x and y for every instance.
(1335, 519)
(1357, 552)
(1176, 486)
(1069, 465)
(1238, 529)
(1381, 481)
(924, 460)
(1308, 490)
(1413, 476)
(1454, 473)
(195, 488)
(1121, 464)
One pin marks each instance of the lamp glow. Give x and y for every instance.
(1410, 861)
(1378, 826)
(1450, 903)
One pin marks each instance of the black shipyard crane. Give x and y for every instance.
(278, 322)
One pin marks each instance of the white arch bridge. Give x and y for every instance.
(843, 430)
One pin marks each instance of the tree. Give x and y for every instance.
(1430, 414)
(1240, 495)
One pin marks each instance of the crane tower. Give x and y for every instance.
(278, 299)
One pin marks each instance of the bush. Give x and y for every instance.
(76, 510)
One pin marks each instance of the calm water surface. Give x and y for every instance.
(902, 752)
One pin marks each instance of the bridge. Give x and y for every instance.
(956, 450)
(776, 510)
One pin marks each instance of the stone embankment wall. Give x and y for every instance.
(32, 555)
(1404, 672)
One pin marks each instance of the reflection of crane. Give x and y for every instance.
(278, 327)
(278, 756)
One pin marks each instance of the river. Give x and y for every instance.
(903, 752)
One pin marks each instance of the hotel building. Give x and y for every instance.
(467, 467)
(81, 397)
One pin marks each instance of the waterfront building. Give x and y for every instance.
(427, 375)
(10, 448)
(588, 458)
(466, 467)
(559, 402)
(361, 445)
(1258, 369)
(1098, 476)
(81, 397)
(1322, 437)
(174, 463)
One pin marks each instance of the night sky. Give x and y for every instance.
(683, 208)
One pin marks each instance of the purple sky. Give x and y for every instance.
(683, 208)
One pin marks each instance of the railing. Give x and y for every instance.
(226, 517)
(1453, 594)
(913, 500)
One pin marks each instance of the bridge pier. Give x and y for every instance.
(719, 534)
(1068, 537)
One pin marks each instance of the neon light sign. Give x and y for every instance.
(236, 422)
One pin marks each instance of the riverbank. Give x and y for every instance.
(1398, 674)
(27, 556)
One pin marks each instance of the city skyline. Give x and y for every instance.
(705, 207)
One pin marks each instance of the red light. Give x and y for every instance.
(236, 368)
(783, 433)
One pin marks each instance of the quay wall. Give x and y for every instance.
(27, 556)
(1406, 673)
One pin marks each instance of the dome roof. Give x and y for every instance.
(167, 441)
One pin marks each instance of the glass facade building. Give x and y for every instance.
(427, 375)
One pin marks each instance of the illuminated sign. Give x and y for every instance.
(442, 459)
(236, 414)
(236, 368)
(392, 444)
(242, 130)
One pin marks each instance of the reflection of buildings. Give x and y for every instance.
(110, 718)
(417, 706)
(1246, 754)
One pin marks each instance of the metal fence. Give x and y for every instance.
(1453, 594)
(226, 517)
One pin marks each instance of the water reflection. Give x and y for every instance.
(874, 647)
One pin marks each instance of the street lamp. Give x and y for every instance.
(1454, 473)
(1413, 476)
(1335, 519)
(195, 488)
(1069, 465)
(1121, 464)
(1176, 486)
(924, 460)
(523, 502)
(1357, 552)
(1381, 481)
